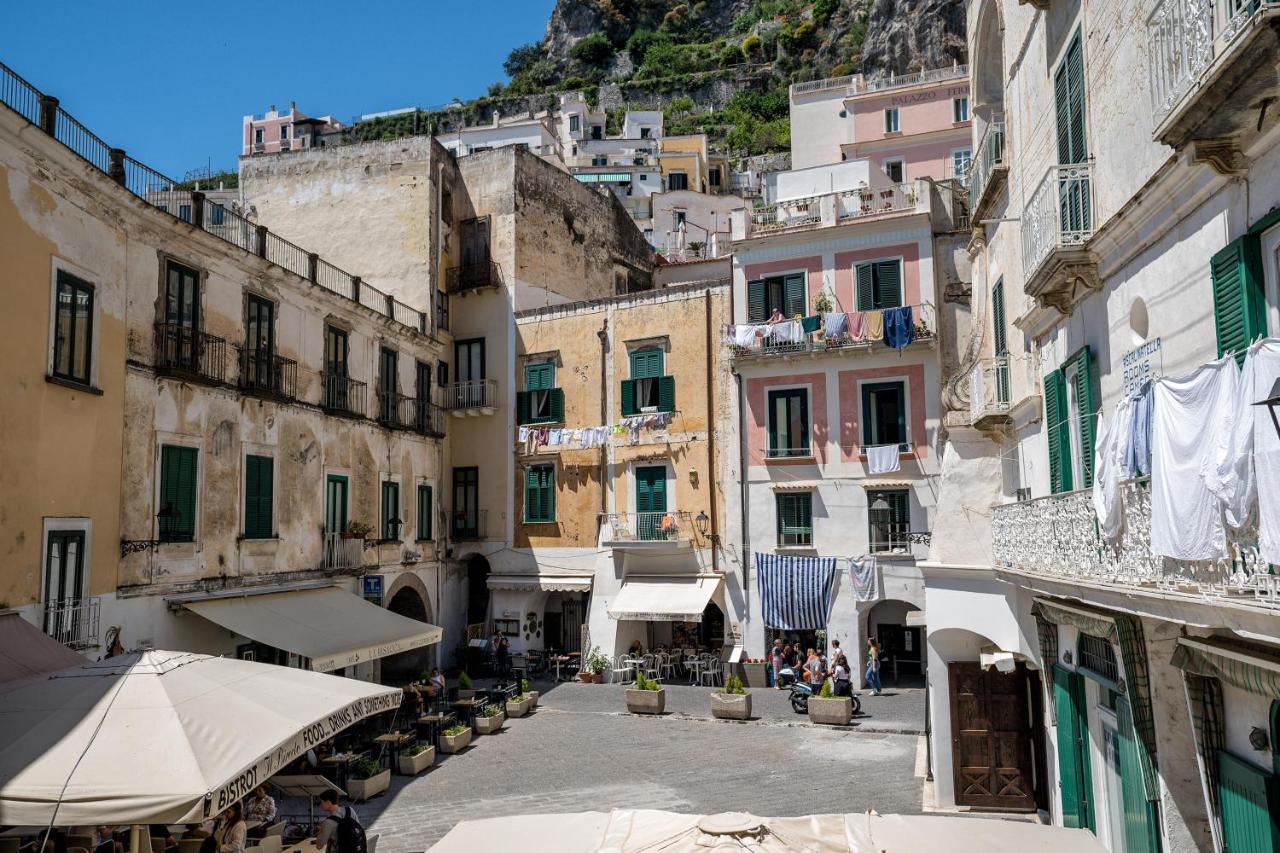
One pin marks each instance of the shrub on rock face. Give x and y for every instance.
(593, 50)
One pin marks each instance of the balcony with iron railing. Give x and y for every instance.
(267, 374)
(987, 170)
(765, 345)
(471, 277)
(648, 530)
(423, 417)
(474, 397)
(1057, 224)
(342, 553)
(1211, 64)
(1057, 537)
(897, 539)
(187, 352)
(829, 210)
(468, 525)
(341, 395)
(72, 621)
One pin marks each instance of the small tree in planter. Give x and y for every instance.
(829, 709)
(647, 697)
(466, 690)
(455, 739)
(593, 666)
(731, 703)
(416, 758)
(522, 704)
(489, 719)
(368, 779)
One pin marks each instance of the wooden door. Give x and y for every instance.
(991, 738)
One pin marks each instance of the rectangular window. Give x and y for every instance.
(784, 295)
(795, 519)
(64, 588)
(257, 135)
(442, 311)
(388, 384)
(466, 503)
(1239, 298)
(475, 241)
(651, 502)
(258, 369)
(600, 161)
(879, 285)
(541, 401)
(73, 329)
(337, 349)
(540, 494)
(648, 390)
(895, 170)
(178, 469)
(889, 521)
(891, 124)
(391, 520)
(284, 132)
(884, 414)
(1000, 337)
(713, 176)
(645, 132)
(1069, 102)
(575, 124)
(960, 109)
(678, 218)
(469, 357)
(789, 423)
(597, 131)
(258, 495)
(424, 513)
(1057, 427)
(960, 161)
(217, 214)
(184, 212)
(677, 181)
(1071, 410)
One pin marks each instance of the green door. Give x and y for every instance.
(1073, 750)
(651, 501)
(1141, 829)
(1250, 800)
(335, 504)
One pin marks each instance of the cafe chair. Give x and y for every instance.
(270, 844)
(619, 670)
(85, 841)
(276, 829)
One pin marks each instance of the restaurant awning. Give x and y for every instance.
(332, 627)
(25, 650)
(541, 583)
(666, 598)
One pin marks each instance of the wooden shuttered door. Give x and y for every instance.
(1250, 805)
(1055, 417)
(999, 333)
(1239, 301)
(785, 294)
(1074, 775)
(258, 496)
(540, 494)
(793, 296)
(424, 513)
(178, 493)
(628, 395)
(1069, 101)
(1141, 821)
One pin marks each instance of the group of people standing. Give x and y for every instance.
(815, 668)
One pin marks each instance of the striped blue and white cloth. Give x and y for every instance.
(795, 592)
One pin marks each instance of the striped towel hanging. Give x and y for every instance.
(795, 592)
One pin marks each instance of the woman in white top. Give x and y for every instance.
(231, 831)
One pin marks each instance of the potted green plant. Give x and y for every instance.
(532, 694)
(647, 697)
(828, 709)
(413, 760)
(489, 719)
(455, 739)
(466, 690)
(593, 666)
(731, 703)
(357, 530)
(368, 779)
(522, 704)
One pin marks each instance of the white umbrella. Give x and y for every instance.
(162, 737)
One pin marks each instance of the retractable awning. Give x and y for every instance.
(334, 628)
(541, 583)
(664, 598)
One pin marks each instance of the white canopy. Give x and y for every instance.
(659, 598)
(162, 737)
(332, 627)
(542, 582)
(25, 650)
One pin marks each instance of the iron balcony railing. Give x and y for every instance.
(789, 452)
(182, 349)
(997, 385)
(342, 394)
(857, 84)
(423, 417)
(389, 408)
(263, 372)
(342, 553)
(472, 277)
(1060, 215)
(469, 525)
(823, 211)
(72, 621)
(474, 394)
(765, 346)
(990, 158)
(666, 526)
(893, 537)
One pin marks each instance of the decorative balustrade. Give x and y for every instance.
(988, 162)
(472, 395)
(829, 209)
(191, 352)
(989, 388)
(469, 525)
(343, 395)
(72, 621)
(793, 215)
(263, 372)
(649, 527)
(1058, 536)
(1059, 216)
(897, 198)
(472, 277)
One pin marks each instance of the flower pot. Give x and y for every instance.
(837, 711)
(489, 725)
(517, 707)
(646, 701)
(362, 789)
(731, 706)
(590, 677)
(450, 744)
(412, 765)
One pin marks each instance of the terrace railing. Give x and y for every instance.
(1060, 215)
(181, 349)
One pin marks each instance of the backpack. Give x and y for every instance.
(350, 835)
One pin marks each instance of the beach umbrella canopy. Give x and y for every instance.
(162, 737)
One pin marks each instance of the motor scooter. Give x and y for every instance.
(800, 693)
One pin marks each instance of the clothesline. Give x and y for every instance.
(895, 326)
(590, 437)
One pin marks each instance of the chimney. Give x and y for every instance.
(272, 108)
(293, 106)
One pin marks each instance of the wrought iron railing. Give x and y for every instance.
(989, 392)
(72, 621)
(855, 204)
(897, 81)
(894, 537)
(795, 535)
(342, 394)
(469, 525)
(472, 277)
(423, 417)
(263, 372)
(342, 553)
(1059, 216)
(668, 526)
(789, 452)
(182, 349)
(474, 394)
(924, 318)
(990, 157)
(791, 215)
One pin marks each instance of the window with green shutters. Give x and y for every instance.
(795, 519)
(784, 294)
(1250, 799)
(1055, 418)
(541, 402)
(258, 496)
(648, 390)
(879, 285)
(178, 470)
(888, 520)
(1074, 773)
(1239, 295)
(789, 423)
(424, 513)
(884, 414)
(1000, 339)
(540, 494)
(1078, 370)
(390, 510)
(1069, 102)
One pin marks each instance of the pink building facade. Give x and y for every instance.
(284, 130)
(920, 131)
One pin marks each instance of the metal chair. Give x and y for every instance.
(619, 670)
(649, 667)
(667, 666)
(710, 673)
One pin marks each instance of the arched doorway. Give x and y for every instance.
(902, 651)
(407, 666)
(477, 595)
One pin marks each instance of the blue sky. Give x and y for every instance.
(171, 81)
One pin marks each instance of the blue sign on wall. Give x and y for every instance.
(372, 588)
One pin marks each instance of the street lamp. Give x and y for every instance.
(1273, 404)
(703, 521)
(393, 527)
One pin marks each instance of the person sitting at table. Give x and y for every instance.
(437, 683)
(636, 649)
(262, 808)
(231, 835)
(339, 831)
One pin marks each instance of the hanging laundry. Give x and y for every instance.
(899, 327)
(1137, 451)
(857, 325)
(873, 325)
(542, 438)
(556, 437)
(1108, 462)
(786, 332)
(835, 325)
(863, 578)
(746, 336)
(811, 324)
(522, 435)
(1186, 516)
(883, 459)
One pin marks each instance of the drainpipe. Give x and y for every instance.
(603, 335)
(712, 480)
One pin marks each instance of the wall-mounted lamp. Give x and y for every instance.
(703, 521)
(1258, 738)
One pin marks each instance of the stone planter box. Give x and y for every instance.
(450, 744)
(489, 725)
(831, 712)
(752, 674)
(533, 699)
(518, 708)
(362, 789)
(646, 701)
(412, 765)
(731, 706)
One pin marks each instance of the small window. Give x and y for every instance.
(879, 285)
(891, 120)
(645, 132)
(388, 385)
(284, 132)
(258, 135)
(713, 176)
(178, 493)
(540, 387)
(960, 109)
(540, 494)
(960, 162)
(575, 124)
(795, 519)
(600, 161)
(895, 170)
(789, 423)
(391, 521)
(644, 177)
(73, 329)
(679, 218)
(184, 212)
(424, 513)
(1099, 657)
(646, 375)
(677, 181)
(884, 414)
(889, 521)
(217, 214)
(258, 495)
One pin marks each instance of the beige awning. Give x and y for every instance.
(666, 598)
(541, 583)
(25, 650)
(334, 628)
(794, 485)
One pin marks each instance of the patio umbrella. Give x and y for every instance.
(162, 737)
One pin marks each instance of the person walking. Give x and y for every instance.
(776, 660)
(341, 830)
(872, 675)
(840, 682)
(835, 652)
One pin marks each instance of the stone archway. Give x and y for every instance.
(902, 647)
(408, 597)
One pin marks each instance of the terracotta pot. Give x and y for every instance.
(837, 711)
(450, 744)
(489, 725)
(591, 677)
(731, 706)
(646, 701)
(412, 765)
(362, 789)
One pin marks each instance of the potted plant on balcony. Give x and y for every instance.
(828, 709)
(416, 758)
(455, 739)
(647, 697)
(368, 779)
(489, 719)
(356, 530)
(465, 688)
(731, 703)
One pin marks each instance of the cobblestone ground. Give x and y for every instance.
(579, 752)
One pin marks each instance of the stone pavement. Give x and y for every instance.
(579, 751)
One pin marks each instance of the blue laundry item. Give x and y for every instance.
(1137, 451)
(899, 327)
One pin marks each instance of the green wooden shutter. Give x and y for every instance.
(1239, 302)
(666, 393)
(1074, 775)
(1069, 98)
(178, 490)
(557, 405)
(1086, 401)
(539, 377)
(522, 407)
(756, 312)
(646, 363)
(888, 284)
(258, 497)
(1250, 800)
(793, 299)
(629, 397)
(424, 513)
(1141, 827)
(999, 333)
(866, 287)
(1055, 415)
(530, 495)
(549, 492)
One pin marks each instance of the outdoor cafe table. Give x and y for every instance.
(694, 664)
(341, 763)
(433, 724)
(467, 707)
(395, 740)
(559, 659)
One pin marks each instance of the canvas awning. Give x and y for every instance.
(541, 583)
(665, 598)
(333, 628)
(1082, 617)
(25, 650)
(1241, 665)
